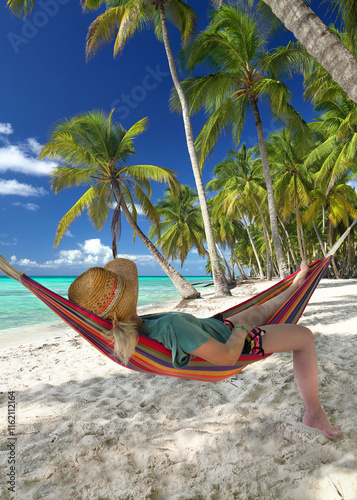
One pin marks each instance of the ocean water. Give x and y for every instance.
(19, 307)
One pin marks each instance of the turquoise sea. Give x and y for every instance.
(19, 307)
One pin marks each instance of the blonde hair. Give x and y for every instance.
(125, 336)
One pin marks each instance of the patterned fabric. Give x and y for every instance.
(253, 342)
(152, 357)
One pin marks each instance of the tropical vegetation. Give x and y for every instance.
(244, 72)
(96, 151)
(288, 198)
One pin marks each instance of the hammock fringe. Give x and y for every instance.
(9, 270)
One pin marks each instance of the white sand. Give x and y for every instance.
(89, 429)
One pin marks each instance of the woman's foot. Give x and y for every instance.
(321, 422)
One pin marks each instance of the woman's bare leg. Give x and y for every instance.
(260, 315)
(283, 338)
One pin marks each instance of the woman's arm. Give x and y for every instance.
(222, 354)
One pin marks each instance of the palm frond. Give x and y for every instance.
(125, 147)
(103, 30)
(153, 172)
(286, 61)
(98, 209)
(231, 113)
(183, 17)
(20, 8)
(77, 209)
(64, 177)
(207, 92)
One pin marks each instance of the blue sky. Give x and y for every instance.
(46, 78)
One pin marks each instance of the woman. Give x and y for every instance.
(112, 292)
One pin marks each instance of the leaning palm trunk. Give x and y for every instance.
(298, 232)
(319, 239)
(268, 253)
(319, 41)
(349, 256)
(330, 241)
(239, 265)
(186, 290)
(283, 271)
(291, 249)
(229, 272)
(261, 273)
(221, 285)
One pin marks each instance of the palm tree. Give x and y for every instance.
(180, 228)
(249, 174)
(119, 22)
(340, 201)
(321, 42)
(238, 182)
(96, 150)
(293, 182)
(234, 47)
(337, 126)
(300, 19)
(227, 231)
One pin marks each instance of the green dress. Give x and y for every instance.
(182, 333)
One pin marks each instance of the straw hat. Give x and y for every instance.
(110, 292)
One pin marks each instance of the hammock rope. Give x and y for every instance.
(152, 357)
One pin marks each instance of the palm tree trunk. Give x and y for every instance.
(291, 249)
(186, 290)
(319, 41)
(239, 265)
(349, 256)
(303, 240)
(330, 241)
(266, 239)
(298, 233)
(319, 239)
(220, 282)
(261, 273)
(229, 272)
(283, 271)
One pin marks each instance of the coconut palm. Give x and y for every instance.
(244, 72)
(227, 231)
(340, 202)
(238, 181)
(119, 22)
(96, 151)
(337, 126)
(249, 181)
(292, 181)
(180, 227)
(321, 42)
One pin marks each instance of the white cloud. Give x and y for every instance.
(15, 158)
(14, 187)
(68, 234)
(22, 157)
(139, 210)
(6, 243)
(34, 145)
(27, 206)
(6, 128)
(91, 253)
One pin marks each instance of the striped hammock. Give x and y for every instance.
(152, 357)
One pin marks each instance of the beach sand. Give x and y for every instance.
(87, 428)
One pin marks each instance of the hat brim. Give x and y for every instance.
(128, 271)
